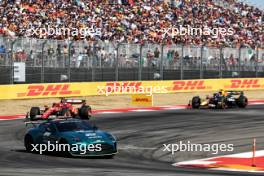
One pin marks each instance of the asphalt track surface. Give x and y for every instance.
(141, 137)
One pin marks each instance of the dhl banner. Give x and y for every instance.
(28, 91)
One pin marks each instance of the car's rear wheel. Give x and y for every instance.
(34, 112)
(196, 102)
(109, 157)
(66, 150)
(28, 143)
(84, 112)
(221, 104)
(242, 102)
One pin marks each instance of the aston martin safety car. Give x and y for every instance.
(71, 137)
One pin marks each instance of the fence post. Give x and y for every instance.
(239, 61)
(42, 62)
(201, 62)
(117, 62)
(69, 60)
(256, 62)
(161, 62)
(140, 63)
(221, 63)
(93, 63)
(182, 62)
(12, 62)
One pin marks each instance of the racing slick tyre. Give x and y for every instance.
(28, 141)
(84, 112)
(196, 102)
(34, 112)
(221, 104)
(66, 153)
(242, 102)
(109, 157)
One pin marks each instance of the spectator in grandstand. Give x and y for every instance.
(150, 58)
(156, 53)
(253, 60)
(51, 58)
(20, 56)
(30, 59)
(2, 50)
(2, 54)
(59, 56)
(135, 21)
(65, 59)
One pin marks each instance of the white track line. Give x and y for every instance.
(206, 161)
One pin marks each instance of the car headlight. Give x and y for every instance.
(111, 137)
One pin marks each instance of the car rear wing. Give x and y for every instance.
(234, 92)
(75, 101)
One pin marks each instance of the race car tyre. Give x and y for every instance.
(65, 153)
(84, 112)
(242, 102)
(34, 111)
(28, 141)
(221, 104)
(109, 157)
(196, 102)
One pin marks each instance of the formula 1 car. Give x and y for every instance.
(64, 108)
(221, 100)
(70, 137)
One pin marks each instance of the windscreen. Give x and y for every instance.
(73, 126)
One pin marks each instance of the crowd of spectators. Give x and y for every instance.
(135, 21)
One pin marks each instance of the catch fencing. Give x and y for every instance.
(48, 61)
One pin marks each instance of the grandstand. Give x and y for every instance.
(131, 44)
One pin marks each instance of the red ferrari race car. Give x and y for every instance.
(65, 108)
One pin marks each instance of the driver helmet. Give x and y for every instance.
(222, 92)
(63, 100)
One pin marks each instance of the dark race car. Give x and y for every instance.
(69, 137)
(65, 108)
(221, 100)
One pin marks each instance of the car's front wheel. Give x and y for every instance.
(242, 102)
(65, 151)
(28, 142)
(34, 112)
(109, 157)
(221, 104)
(196, 102)
(84, 112)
